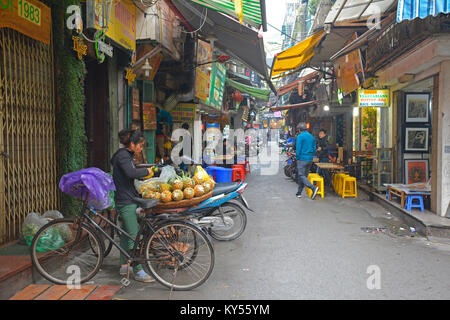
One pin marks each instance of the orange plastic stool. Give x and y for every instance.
(238, 173)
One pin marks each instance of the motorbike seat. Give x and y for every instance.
(220, 188)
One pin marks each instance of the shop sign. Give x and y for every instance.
(117, 18)
(130, 76)
(349, 71)
(79, 47)
(373, 98)
(217, 85)
(149, 116)
(183, 112)
(202, 78)
(30, 17)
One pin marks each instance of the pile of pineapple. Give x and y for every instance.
(179, 188)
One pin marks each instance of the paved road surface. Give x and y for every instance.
(303, 249)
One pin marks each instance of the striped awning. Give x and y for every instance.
(253, 11)
(411, 9)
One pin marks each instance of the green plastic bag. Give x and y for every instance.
(49, 240)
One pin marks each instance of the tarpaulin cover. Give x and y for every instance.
(411, 9)
(93, 180)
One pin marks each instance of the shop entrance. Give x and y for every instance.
(27, 131)
(97, 126)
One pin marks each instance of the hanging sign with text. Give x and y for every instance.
(30, 17)
(373, 98)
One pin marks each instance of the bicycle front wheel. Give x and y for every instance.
(179, 255)
(67, 252)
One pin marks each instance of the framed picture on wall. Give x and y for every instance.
(416, 139)
(416, 171)
(417, 107)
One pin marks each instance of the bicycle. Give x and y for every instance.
(174, 251)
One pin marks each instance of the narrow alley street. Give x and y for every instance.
(303, 249)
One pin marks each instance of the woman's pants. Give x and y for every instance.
(131, 226)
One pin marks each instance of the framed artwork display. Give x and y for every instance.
(416, 171)
(417, 107)
(416, 139)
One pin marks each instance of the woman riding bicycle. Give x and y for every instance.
(124, 174)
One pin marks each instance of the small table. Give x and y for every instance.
(404, 190)
(327, 167)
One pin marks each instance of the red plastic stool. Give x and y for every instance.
(238, 173)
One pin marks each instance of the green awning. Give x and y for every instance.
(253, 13)
(255, 92)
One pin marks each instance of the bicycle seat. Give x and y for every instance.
(145, 203)
(220, 188)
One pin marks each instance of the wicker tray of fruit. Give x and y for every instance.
(181, 191)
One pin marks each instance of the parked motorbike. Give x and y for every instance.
(224, 219)
(222, 215)
(290, 168)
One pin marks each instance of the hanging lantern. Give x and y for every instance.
(237, 96)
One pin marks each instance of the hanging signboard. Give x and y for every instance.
(217, 85)
(373, 98)
(30, 17)
(117, 18)
(202, 78)
(349, 71)
(149, 116)
(135, 104)
(183, 112)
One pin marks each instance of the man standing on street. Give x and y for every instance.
(322, 153)
(305, 151)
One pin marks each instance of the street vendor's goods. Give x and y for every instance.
(177, 184)
(155, 187)
(165, 187)
(177, 187)
(189, 193)
(200, 175)
(166, 196)
(177, 195)
(199, 190)
(207, 186)
(156, 195)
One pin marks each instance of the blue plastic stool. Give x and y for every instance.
(410, 203)
(222, 175)
(210, 171)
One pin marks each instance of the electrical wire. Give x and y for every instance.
(192, 32)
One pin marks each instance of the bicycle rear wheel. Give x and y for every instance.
(65, 252)
(179, 255)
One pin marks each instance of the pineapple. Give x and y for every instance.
(166, 187)
(177, 184)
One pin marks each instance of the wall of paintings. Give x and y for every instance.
(415, 115)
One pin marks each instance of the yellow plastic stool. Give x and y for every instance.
(338, 182)
(352, 191)
(314, 177)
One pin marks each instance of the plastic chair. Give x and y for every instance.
(410, 203)
(314, 177)
(338, 182)
(238, 173)
(349, 192)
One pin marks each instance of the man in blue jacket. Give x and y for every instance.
(305, 151)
